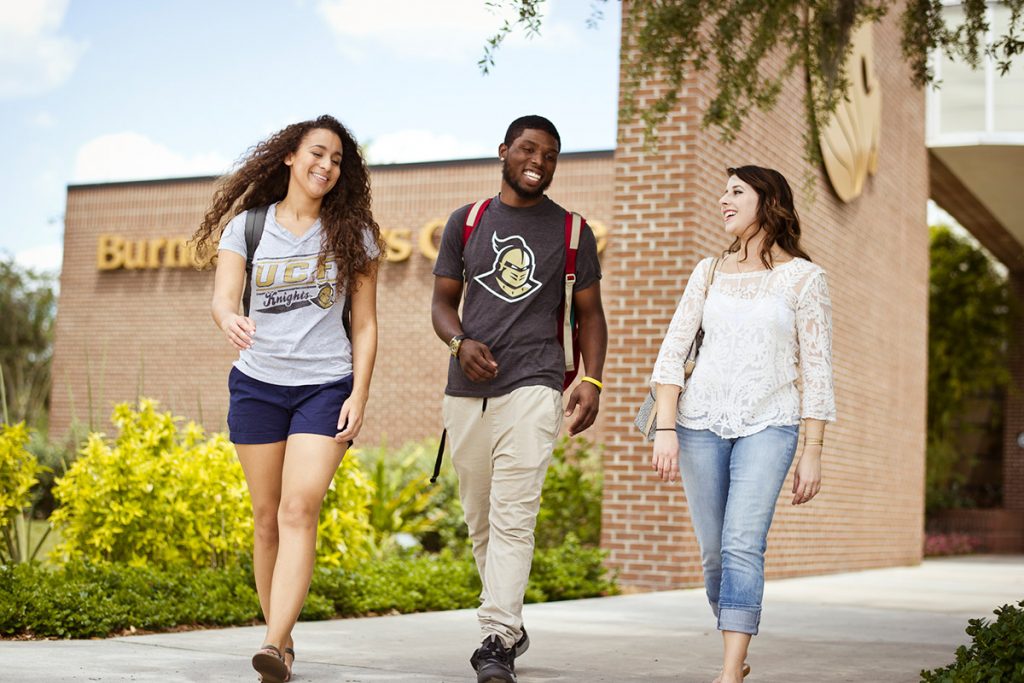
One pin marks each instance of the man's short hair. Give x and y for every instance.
(516, 128)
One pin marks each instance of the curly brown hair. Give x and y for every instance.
(262, 179)
(776, 213)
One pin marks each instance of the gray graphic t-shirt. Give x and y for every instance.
(514, 269)
(299, 338)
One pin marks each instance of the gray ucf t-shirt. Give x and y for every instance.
(514, 270)
(300, 338)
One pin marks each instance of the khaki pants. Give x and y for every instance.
(501, 449)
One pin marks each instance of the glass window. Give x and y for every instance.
(1008, 95)
(962, 91)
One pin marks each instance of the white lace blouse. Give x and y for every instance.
(762, 331)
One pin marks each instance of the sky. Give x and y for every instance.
(106, 90)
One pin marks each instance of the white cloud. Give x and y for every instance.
(421, 145)
(34, 58)
(131, 156)
(440, 29)
(46, 258)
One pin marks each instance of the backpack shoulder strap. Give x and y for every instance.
(573, 227)
(476, 212)
(255, 220)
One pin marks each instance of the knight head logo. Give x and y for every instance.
(511, 278)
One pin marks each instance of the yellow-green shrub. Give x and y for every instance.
(160, 494)
(155, 495)
(18, 472)
(344, 533)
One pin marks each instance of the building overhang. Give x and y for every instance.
(977, 179)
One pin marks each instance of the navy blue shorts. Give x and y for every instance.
(261, 412)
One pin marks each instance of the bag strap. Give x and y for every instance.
(440, 457)
(573, 228)
(255, 219)
(710, 279)
(476, 212)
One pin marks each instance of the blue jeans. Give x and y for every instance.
(731, 487)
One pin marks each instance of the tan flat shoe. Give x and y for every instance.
(746, 670)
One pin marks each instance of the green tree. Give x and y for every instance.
(28, 306)
(969, 312)
(741, 40)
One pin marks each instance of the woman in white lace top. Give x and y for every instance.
(733, 433)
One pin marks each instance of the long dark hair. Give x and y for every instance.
(776, 214)
(262, 179)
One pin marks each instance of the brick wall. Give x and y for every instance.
(127, 333)
(875, 249)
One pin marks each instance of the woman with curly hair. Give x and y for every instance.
(766, 318)
(300, 384)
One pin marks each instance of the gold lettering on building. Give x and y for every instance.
(397, 244)
(110, 252)
(114, 252)
(427, 238)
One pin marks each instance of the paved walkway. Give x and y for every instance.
(875, 626)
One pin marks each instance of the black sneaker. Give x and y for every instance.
(523, 644)
(494, 663)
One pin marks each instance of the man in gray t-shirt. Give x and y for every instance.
(503, 404)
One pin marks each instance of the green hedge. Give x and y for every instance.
(84, 601)
(995, 655)
(81, 601)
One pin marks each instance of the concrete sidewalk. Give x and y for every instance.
(879, 626)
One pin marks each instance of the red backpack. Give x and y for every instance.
(569, 327)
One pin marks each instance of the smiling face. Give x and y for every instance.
(315, 164)
(739, 208)
(529, 164)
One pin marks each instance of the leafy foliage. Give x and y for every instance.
(568, 572)
(752, 47)
(160, 495)
(344, 533)
(19, 470)
(570, 503)
(969, 316)
(79, 600)
(404, 501)
(154, 496)
(996, 653)
(28, 306)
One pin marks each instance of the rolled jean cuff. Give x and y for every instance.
(739, 619)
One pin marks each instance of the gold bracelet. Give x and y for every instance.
(814, 442)
(595, 382)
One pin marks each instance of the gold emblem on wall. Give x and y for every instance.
(849, 143)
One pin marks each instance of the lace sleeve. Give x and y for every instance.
(814, 336)
(668, 369)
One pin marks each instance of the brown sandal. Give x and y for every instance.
(289, 651)
(269, 662)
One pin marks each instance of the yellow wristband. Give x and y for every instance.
(595, 382)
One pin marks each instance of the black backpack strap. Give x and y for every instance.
(346, 315)
(255, 219)
(440, 457)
